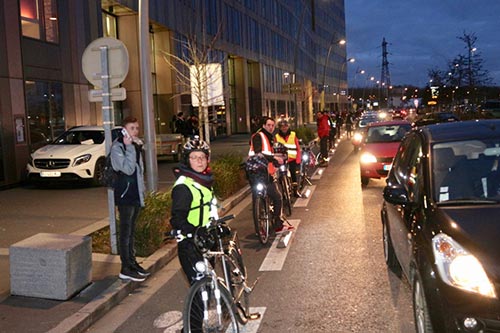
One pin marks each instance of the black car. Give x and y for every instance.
(441, 224)
(434, 118)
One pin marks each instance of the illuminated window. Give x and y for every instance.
(39, 19)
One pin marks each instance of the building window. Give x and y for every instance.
(44, 106)
(39, 19)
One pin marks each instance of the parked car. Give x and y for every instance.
(77, 154)
(381, 143)
(440, 224)
(169, 145)
(434, 118)
(490, 109)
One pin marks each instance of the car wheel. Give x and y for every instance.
(390, 257)
(420, 310)
(365, 180)
(98, 170)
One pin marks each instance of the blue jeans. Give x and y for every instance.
(128, 217)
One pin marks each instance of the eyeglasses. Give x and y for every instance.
(198, 158)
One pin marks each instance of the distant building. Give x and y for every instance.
(275, 58)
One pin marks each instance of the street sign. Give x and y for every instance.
(118, 61)
(117, 94)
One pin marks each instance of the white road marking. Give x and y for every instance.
(307, 194)
(317, 175)
(275, 257)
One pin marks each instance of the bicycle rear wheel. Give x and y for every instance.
(261, 216)
(202, 301)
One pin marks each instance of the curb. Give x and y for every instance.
(114, 294)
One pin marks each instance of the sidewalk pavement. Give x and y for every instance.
(28, 314)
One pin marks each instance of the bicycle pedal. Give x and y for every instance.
(254, 316)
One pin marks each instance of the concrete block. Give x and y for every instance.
(51, 266)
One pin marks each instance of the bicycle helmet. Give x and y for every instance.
(194, 144)
(283, 122)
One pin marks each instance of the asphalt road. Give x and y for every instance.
(333, 277)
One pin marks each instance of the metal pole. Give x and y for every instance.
(147, 98)
(108, 123)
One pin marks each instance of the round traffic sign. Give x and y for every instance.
(118, 61)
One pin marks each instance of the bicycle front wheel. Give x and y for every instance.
(237, 283)
(287, 198)
(208, 311)
(261, 216)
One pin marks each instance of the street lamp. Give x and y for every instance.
(340, 77)
(332, 43)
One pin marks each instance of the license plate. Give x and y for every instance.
(387, 167)
(50, 174)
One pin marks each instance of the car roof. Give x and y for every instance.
(462, 130)
(389, 123)
(89, 128)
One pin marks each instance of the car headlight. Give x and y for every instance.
(367, 158)
(382, 115)
(458, 268)
(82, 159)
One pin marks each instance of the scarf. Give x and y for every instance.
(204, 178)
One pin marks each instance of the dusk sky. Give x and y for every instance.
(421, 35)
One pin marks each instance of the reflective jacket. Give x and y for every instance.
(266, 150)
(292, 145)
(203, 204)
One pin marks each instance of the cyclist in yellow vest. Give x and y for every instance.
(288, 138)
(193, 202)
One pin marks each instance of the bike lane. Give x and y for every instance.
(157, 305)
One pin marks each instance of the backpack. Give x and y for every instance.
(109, 176)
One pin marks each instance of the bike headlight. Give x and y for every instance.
(358, 137)
(259, 187)
(82, 159)
(367, 158)
(460, 269)
(200, 267)
(282, 167)
(305, 157)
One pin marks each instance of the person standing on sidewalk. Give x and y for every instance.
(261, 144)
(289, 139)
(126, 159)
(193, 204)
(323, 134)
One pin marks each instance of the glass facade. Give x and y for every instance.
(44, 108)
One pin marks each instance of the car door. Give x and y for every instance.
(408, 172)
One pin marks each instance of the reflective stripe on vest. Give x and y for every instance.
(202, 207)
(289, 144)
(267, 150)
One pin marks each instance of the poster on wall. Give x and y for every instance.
(19, 123)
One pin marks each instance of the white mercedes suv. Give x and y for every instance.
(77, 154)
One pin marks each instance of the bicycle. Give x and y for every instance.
(285, 184)
(214, 303)
(308, 162)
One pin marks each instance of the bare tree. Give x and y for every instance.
(197, 65)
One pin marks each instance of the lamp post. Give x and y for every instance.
(327, 59)
(340, 77)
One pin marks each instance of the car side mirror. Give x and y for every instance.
(396, 195)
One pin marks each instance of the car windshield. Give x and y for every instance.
(80, 137)
(388, 133)
(466, 171)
